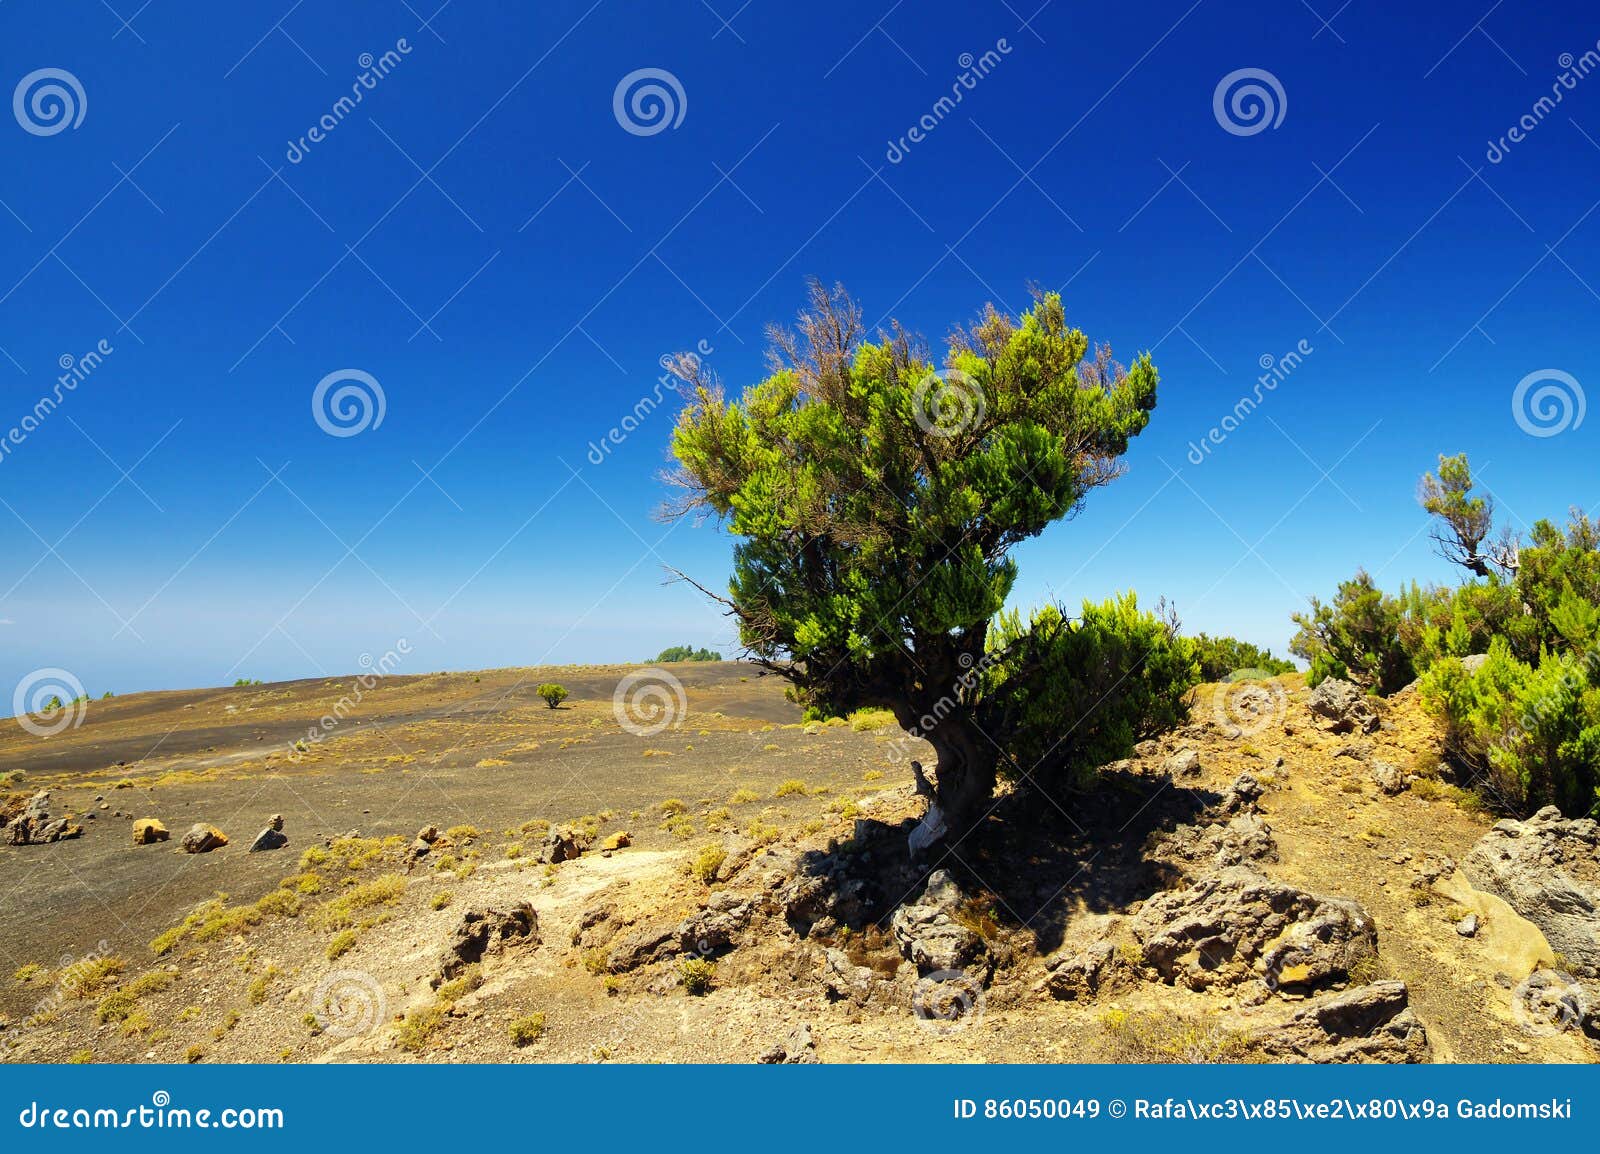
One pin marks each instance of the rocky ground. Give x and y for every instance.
(459, 874)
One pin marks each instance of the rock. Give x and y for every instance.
(1548, 870)
(485, 932)
(1389, 778)
(845, 981)
(619, 840)
(1183, 763)
(714, 927)
(642, 946)
(1149, 747)
(203, 838)
(428, 834)
(58, 830)
(148, 831)
(928, 932)
(1474, 662)
(1342, 707)
(1237, 924)
(1241, 795)
(799, 1048)
(1547, 1002)
(1356, 750)
(270, 838)
(1080, 976)
(1371, 1023)
(1467, 926)
(561, 844)
(596, 926)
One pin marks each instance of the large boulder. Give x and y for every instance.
(1372, 1023)
(484, 932)
(1547, 869)
(35, 826)
(929, 931)
(148, 831)
(1237, 924)
(203, 838)
(1342, 707)
(272, 837)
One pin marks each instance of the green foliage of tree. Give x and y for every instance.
(1220, 656)
(1356, 637)
(1529, 734)
(876, 501)
(1526, 726)
(552, 693)
(685, 653)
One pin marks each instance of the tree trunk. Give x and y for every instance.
(964, 789)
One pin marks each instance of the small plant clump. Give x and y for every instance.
(552, 693)
(698, 975)
(527, 1029)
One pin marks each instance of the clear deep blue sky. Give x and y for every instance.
(555, 257)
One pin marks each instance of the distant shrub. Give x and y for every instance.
(865, 720)
(1221, 657)
(793, 786)
(552, 693)
(527, 1029)
(685, 653)
(1356, 638)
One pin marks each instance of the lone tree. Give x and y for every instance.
(877, 500)
(1464, 521)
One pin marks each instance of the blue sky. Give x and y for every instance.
(485, 238)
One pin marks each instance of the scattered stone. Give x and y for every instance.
(1183, 763)
(203, 838)
(1356, 750)
(714, 927)
(619, 840)
(485, 932)
(1547, 869)
(1371, 1023)
(1080, 976)
(272, 837)
(596, 926)
(34, 826)
(1390, 779)
(1467, 926)
(799, 1048)
(928, 932)
(845, 981)
(1342, 707)
(562, 843)
(148, 831)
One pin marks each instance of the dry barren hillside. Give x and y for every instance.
(466, 874)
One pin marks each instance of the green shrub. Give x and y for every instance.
(528, 1029)
(685, 653)
(1220, 657)
(552, 693)
(698, 975)
(1107, 680)
(1356, 638)
(704, 865)
(1529, 734)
